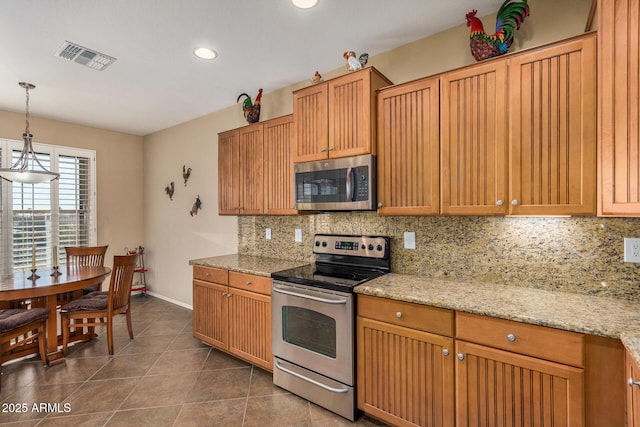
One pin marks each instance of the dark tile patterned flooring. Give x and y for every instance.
(163, 377)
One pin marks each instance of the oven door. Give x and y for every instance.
(313, 328)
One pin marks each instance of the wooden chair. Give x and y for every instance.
(87, 256)
(20, 331)
(99, 308)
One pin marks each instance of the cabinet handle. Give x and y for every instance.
(511, 337)
(399, 314)
(445, 352)
(514, 202)
(330, 148)
(207, 274)
(322, 150)
(632, 383)
(379, 204)
(460, 356)
(248, 283)
(499, 203)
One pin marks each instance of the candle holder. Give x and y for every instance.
(33, 276)
(55, 272)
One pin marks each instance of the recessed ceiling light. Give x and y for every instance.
(304, 4)
(205, 53)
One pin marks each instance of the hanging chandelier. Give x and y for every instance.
(24, 169)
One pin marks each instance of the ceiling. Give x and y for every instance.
(157, 82)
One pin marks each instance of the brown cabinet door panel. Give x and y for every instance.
(310, 123)
(278, 189)
(473, 140)
(251, 165)
(250, 327)
(552, 121)
(228, 173)
(408, 149)
(210, 313)
(498, 388)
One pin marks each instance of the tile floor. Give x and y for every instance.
(164, 377)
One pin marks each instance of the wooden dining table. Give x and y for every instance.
(18, 286)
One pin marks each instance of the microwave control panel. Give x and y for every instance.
(361, 183)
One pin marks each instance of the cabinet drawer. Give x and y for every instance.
(415, 316)
(537, 341)
(211, 274)
(250, 282)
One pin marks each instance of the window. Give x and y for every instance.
(28, 216)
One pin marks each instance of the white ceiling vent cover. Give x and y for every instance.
(92, 59)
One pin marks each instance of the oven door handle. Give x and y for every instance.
(312, 381)
(295, 294)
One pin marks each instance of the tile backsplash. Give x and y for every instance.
(581, 255)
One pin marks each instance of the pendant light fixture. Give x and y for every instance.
(24, 170)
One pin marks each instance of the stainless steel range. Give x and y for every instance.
(313, 315)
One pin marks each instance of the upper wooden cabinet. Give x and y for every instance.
(278, 166)
(535, 112)
(255, 169)
(552, 129)
(336, 118)
(619, 101)
(474, 140)
(409, 148)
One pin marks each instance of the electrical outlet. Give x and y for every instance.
(298, 235)
(267, 233)
(631, 250)
(409, 240)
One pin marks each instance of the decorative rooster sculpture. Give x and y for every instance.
(197, 205)
(353, 63)
(169, 189)
(186, 173)
(510, 16)
(251, 109)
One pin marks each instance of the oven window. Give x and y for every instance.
(310, 330)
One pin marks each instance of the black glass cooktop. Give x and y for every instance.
(328, 276)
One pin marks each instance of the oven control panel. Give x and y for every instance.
(362, 246)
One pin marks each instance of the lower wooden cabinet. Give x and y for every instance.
(232, 312)
(499, 388)
(405, 375)
(633, 392)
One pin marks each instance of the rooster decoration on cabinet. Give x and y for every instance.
(250, 108)
(508, 20)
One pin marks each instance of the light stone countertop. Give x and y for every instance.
(259, 266)
(607, 317)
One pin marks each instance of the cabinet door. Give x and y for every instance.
(552, 136)
(619, 102)
(633, 392)
(310, 123)
(228, 173)
(473, 140)
(350, 114)
(408, 149)
(498, 388)
(210, 317)
(405, 376)
(251, 166)
(250, 327)
(278, 173)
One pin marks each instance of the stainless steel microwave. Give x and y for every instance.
(346, 184)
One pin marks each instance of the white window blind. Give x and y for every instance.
(57, 213)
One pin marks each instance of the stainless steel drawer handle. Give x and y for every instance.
(632, 383)
(399, 314)
(312, 381)
(248, 283)
(511, 337)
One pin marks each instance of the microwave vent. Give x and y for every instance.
(84, 56)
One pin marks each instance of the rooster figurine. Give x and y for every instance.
(353, 63)
(169, 189)
(510, 16)
(186, 173)
(251, 109)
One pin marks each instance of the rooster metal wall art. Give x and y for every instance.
(508, 20)
(251, 109)
(169, 189)
(197, 205)
(186, 173)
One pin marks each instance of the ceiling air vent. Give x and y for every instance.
(92, 59)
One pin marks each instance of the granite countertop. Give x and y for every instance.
(259, 266)
(607, 317)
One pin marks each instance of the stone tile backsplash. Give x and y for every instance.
(580, 255)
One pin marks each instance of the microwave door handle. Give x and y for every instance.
(350, 184)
